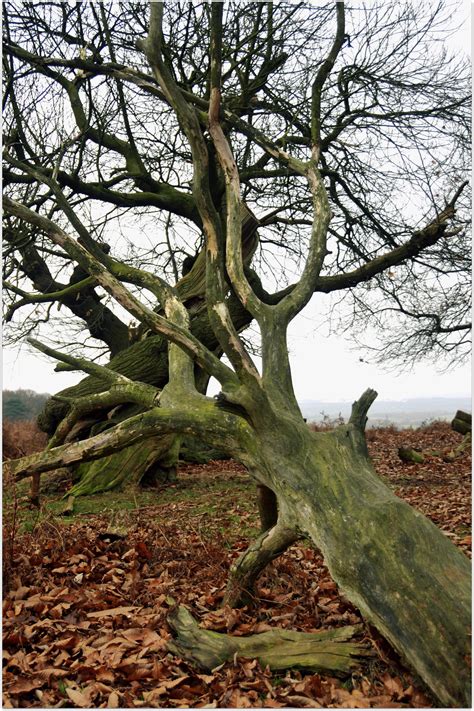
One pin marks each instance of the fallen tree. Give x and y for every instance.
(399, 569)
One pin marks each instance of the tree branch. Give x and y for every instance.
(420, 240)
(113, 286)
(321, 77)
(71, 290)
(205, 421)
(99, 371)
(118, 394)
(216, 287)
(234, 262)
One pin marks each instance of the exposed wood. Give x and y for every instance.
(327, 651)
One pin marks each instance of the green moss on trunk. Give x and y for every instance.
(154, 459)
(402, 572)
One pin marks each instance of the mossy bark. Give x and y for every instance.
(245, 571)
(153, 459)
(327, 651)
(394, 564)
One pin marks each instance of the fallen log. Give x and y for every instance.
(326, 651)
(411, 456)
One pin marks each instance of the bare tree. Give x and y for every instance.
(326, 132)
(126, 173)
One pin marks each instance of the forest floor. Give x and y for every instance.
(86, 597)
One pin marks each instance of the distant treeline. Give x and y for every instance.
(22, 404)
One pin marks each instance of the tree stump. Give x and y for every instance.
(462, 422)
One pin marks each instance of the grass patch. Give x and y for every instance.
(214, 502)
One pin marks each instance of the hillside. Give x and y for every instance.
(22, 404)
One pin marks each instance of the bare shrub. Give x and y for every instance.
(21, 438)
(326, 423)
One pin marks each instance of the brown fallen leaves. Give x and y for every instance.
(85, 610)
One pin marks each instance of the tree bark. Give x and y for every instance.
(462, 422)
(396, 566)
(245, 571)
(152, 459)
(326, 651)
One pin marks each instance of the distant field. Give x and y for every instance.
(402, 413)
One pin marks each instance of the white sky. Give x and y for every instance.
(323, 368)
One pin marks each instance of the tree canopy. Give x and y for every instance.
(90, 131)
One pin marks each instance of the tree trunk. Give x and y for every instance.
(326, 651)
(153, 459)
(396, 566)
(146, 361)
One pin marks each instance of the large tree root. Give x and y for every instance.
(326, 651)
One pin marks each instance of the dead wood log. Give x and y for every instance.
(462, 424)
(326, 651)
(411, 456)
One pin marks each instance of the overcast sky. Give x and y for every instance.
(323, 368)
